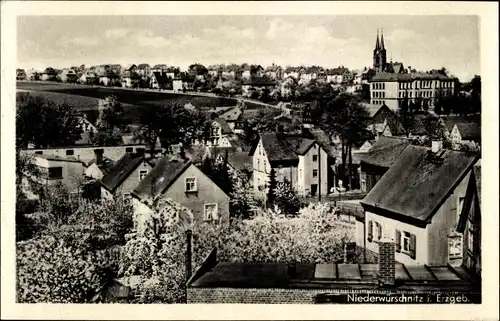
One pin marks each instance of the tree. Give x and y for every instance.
(197, 69)
(242, 202)
(286, 198)
(346, 118)
(272, 186)
(43, 123)
(405, 117)
(170, 124)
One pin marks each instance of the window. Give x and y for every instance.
(258, 164)
(265, 165)
(315, 158)
(315, 173)
(142, 174)
(55, 173)
(129, 150)
(70, 152)
(39, 152)
(211, 212)
(406, 243)
(363, 185)
(191, 184)
(370, 231)
(455, 246)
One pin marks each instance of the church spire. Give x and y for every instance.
(377, 44)
(382, 40)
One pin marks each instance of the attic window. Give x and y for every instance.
(191, 185)
(70, 152)
(129, 150)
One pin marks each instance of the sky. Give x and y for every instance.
(422, 42)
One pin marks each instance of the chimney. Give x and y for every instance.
(386, 262)
(436, 146)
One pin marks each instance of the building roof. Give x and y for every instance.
(226, 130)
(292, 69)
(239, 160)
(163, 175)
(472, 195)
(324, 140)
(337, 71)
(232, 114)
(273, 68)
(121, 170)
(143, 66)
(278, 147)
(58, 158)
(418, 182)
(329, 276)
(385, 151)
(471, 130)
(371, 108)
(390, 76)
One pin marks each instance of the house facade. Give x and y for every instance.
(130, 79)
(67, 171)
(274, 72)
(68, 75)
(469, 225)
(301, 161)
(420, 212)
(183, 183)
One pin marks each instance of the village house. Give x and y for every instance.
(310, 73)
(340, 75)
(67, 75)
(125, 175)
(32, 74)
(232, 71)
(293, 72)
(469, 224)
(250, 71)
(20, 74)
(385, 122)
(144, 70)
(130, 79)
(49, 74)
(160, 80)
(88, 78)
(417, 203)
(220, 133)
(67, 171)
(109, 78)
(464, 132)
(183, 82)
(274, 72)
(232, 116)
(182, 182)
(215, 70)
(379, 158)
(301, 161)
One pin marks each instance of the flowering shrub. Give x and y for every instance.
(313, 236)
(48, 270)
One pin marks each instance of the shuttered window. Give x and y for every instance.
(370, 231)
(379, 231)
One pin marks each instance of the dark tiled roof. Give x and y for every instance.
(337, 71)
(469, 130)
(292, 69)
(142, 66)
(278, 148)
(121, 170)
(239, 160)
(416, 184)
(304, 146)
(164, 174)
(385, 151)
(232, 114)
(389, 76)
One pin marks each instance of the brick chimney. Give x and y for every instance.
(386, 262)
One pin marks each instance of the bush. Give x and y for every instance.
(286, 198)
(50, 271)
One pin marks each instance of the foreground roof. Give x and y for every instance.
(328, 276)
(418, 183)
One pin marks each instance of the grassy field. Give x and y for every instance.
(85, 98)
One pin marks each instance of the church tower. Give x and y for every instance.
(380, 54)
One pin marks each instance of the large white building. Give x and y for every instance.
(391, 88)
